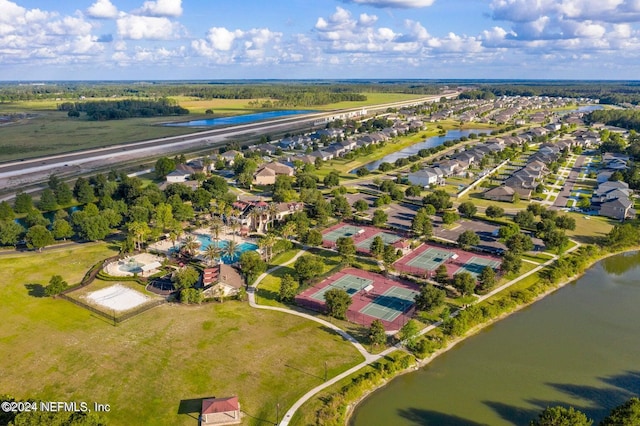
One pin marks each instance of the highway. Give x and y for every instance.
(17, 174)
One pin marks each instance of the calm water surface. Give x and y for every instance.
(239, 119)
(578, 346)
(427, 143)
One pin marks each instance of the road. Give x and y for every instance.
(18, 174)
(563, 196)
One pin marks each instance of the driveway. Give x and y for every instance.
(565, 194)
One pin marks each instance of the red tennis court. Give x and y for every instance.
(373, 296)
(422, 261)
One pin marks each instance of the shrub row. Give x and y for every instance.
(335, 406)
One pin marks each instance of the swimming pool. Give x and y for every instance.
(206, 241)
(131, 267)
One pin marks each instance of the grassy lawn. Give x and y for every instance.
(157, 366)
(52, 132)
(590, 228)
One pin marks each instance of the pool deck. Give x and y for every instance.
(113, 269)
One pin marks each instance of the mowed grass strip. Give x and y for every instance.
(154, 368)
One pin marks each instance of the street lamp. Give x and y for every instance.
(277, 413)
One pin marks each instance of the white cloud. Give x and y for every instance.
(257, 45)
(400, 4)
(221, 38)
(102, 9)
(136, 27)
(172, 8)
(168, 8)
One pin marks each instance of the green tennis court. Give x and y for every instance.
(391, 304)
(386, 238)
(349, 283)
(343, 231)
(430, 259)
(475, 265)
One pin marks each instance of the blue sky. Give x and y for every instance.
(222, 39)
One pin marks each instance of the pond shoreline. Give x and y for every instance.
(351, 407)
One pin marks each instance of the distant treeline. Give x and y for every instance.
(625, 118)
(607, 92)
(288, 93)
(119, 110)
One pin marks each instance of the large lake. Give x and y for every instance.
(239, 119)
(427, 143)
(579, 346)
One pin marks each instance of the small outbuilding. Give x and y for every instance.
(220, 411)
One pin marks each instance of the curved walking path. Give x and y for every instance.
(369, 358)
(341, 332)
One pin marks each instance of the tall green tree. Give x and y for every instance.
(429, 297)
(464, 282)
(337, 301)
(307, 267)
(377, 333)
(64, 195)
(487, 278)
(288, 289)
(6, 212)
(163, 167)
(56, 286)
(251, 265)
(346, 248)
(185, 277)
(467, 209)
(561, 416)
(83, 191)
(10, 232)
(38, 237)
(421, 223)
(47, 201)
(377, 247)
(23, 203)
(467, 239)
(380, 217)
(627, 414)
(61, 230)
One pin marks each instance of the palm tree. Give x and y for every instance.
(256, 218)
(211, 253)
(231, 250)
(191, 244)
(272, 213)
(269, 241)
(288, 230)
(139, 232)
(216, 227)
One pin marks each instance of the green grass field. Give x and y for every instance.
(52, 132)
(156, 367)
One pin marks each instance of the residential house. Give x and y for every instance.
(617, 208)
(220, 411)
(422, 178)
(266, 174)
(500, 193)
(230, 156)
(180, 174)
(449, 167)
(228, 282)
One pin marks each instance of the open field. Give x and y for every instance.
(52, 132)
(157, 366)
